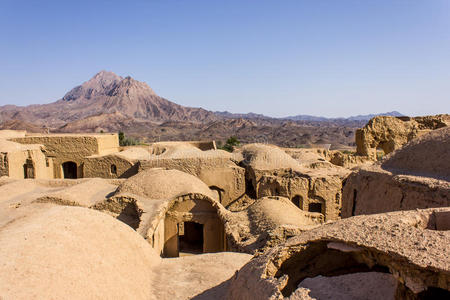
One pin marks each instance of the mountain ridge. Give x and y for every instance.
(312, 118)
(110, 103)
(108, 93)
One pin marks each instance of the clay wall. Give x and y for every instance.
(107, 144)
(35, 159)
(217, 172)
(369, 192)
(109, 166)
(72, 148)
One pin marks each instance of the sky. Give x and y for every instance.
(279, 58)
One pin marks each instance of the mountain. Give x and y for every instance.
(368, 117)
(106, 93)
(228, 115)
(307, 118)
(352, 118)
(110, 103)
(22, 125)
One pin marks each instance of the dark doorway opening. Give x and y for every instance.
(315, 207)
(249, 188)
(70, 170)
(113, 169)
(298, 201)
(190, 237)
(28, 169)
(276, 192)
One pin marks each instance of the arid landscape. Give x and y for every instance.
(110, 103)
(225, 150)
(186, 220)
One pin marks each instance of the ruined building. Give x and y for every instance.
(390, 133)
(81, 217)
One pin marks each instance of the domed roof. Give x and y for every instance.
(164, 184)
(427, 155)
(270, 212)
(72, 252)
(265, 157)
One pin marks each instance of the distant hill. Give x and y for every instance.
(307, 118)
(110, 103)
(352, 118)
(228, 115)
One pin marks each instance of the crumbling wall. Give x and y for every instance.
(391, 243)
(377, 191)
(304, 189)
(347, 160)
(390, 133)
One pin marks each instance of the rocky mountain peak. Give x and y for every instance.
(100, 84)
(106, 83)
(130, 86)
(105, 78)
(105, 94)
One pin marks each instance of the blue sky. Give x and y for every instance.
(279, 58)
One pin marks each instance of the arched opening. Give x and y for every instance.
(315, 207)
(192, 225)
(322, 262)
(298, 201)
(190, 238)
(69, 170)
(113, 169)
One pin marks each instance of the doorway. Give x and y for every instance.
(69, 170)
(28, 169)
(190, 237)
(298, 201)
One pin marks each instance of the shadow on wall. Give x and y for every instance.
(219, 192)
(131, 171)
(130, 215)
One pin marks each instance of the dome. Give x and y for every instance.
(164, 184)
